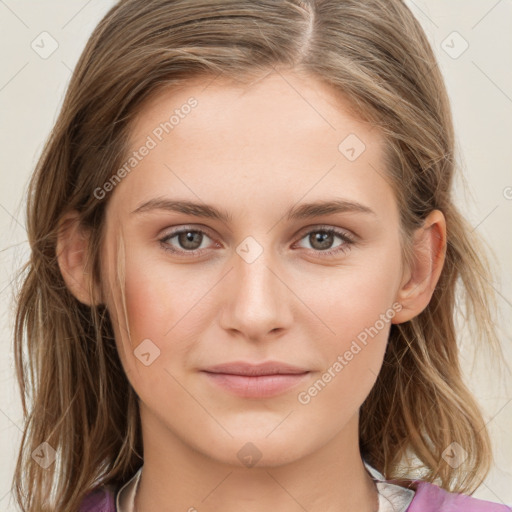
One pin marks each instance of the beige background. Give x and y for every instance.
(479, 81)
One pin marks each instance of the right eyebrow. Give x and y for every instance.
(187, 207)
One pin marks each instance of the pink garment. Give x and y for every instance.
(432, 498)
(100, 500)
(428, 498)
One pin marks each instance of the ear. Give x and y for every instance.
(421, 277)
(72, 244)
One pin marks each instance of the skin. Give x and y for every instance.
(291, 304)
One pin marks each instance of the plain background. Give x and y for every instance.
(479, 81)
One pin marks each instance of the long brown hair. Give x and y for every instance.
(75, 394)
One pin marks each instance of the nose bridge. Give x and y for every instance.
(259, 302)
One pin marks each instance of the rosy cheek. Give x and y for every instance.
(360, 333)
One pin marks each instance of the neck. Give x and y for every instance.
(175, 476)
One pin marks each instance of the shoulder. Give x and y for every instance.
(432, 498)
(101, 499)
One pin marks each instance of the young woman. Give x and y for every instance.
(244, 258)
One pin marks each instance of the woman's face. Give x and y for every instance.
(261, 280)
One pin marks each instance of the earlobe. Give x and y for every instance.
(420, 279)
(72, 245)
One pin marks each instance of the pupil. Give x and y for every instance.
(187, 239)
(322, 236)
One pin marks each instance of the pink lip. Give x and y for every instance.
(256, 380)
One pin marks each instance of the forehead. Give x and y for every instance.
(282, 133)
(258, 106)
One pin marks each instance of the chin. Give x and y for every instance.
(258, 451)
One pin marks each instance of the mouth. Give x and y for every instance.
(256, 380)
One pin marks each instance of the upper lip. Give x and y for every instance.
(265, 368)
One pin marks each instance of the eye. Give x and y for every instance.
(321, 240)
(189, 241)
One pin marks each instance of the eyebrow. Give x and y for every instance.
(301, 211)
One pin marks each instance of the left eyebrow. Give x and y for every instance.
(301, 211)
(328, 207)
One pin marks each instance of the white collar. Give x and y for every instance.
(126, 495)
(392, 497)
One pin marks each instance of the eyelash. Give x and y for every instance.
(345, 247)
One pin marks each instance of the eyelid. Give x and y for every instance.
(187, 227)
(327, 227)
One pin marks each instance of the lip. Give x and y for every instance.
(252, 369)
(262, 380)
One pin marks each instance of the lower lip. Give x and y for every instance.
(260, 386)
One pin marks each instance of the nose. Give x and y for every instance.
(258, 299)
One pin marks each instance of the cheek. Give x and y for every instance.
(355, 297)
(156, 308)
(158, 296)
(356, 311)
(165, 305)
(352, 359)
